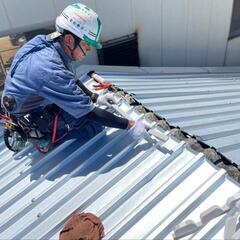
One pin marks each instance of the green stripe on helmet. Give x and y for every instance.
(76, 5)
(92, 43)
(99, 28)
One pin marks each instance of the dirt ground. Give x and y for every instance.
(7, 50)
(5, 43)
(7, 53)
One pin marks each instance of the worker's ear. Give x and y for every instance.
(69, 41)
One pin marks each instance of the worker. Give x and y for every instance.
(42, 79)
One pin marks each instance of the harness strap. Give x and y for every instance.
(5, 117)
(54, 132)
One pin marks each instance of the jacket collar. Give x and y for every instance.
(68, 62)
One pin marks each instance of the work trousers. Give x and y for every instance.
(66, 125)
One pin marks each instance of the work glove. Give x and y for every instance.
(138, 131)
(105, 99)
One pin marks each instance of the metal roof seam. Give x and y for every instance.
(213, 181)
(203, 144)
(173, 179)
(140, 189)
(189, 227)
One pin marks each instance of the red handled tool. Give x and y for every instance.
(101, 84)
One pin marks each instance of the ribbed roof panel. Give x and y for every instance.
(140, 189)
(207, 107)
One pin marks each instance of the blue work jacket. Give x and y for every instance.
(41, 74)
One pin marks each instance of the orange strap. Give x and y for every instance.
(5, 117)
(55, 124)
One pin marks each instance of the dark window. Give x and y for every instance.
(235, 23)
(120, 52)
(31, 34)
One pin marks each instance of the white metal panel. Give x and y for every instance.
(174, 32)
(148, 24)
(28, 12)
(219, 31)
(207, 106)
(5, 24)
(116, 18)
(126, 188)
(171, 33)
(199, 13)
(215, 228)
(176, 199)
(140, 189)
(61, 4)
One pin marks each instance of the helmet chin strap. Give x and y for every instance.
(84, 54)
(77, 44)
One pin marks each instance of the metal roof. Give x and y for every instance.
(205, 106)
(141, 190)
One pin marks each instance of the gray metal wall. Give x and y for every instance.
(171, 32)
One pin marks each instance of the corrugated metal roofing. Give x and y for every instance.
(141, 190)
(207, 107)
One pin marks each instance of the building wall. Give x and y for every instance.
(170, 32)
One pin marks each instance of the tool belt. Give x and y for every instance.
(46, 118)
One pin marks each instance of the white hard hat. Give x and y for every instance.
(82, 22)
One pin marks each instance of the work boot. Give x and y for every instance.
(44, 145)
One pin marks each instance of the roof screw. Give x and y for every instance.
(39, 215)
(33, 200)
